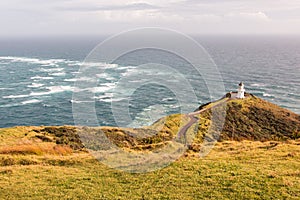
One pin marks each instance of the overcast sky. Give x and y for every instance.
(81, 17)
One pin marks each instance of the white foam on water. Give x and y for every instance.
(51, 90)
(4, 63)
(87, 79)
(125, 67)
(257, 85)
(57, 89)
(31, 101)
(44, 62)
(50, 65)
(15, 96)
(5, 88)
(100, 89)
(41, 77)
(129, 71)
(98, 64)
(148, 116)
(109, 100)
(75, 101)
(267, 95)
(58, 74)
(104, 76)
(51, 70)
(35, 85)
(8, 105)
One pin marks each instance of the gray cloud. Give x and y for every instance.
(132, 6)
(56, 17)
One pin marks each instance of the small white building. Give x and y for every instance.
(241, 91)
(240, 94)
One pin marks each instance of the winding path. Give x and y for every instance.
(194, 119)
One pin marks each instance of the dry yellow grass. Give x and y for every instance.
(232, 170)
(36, 149)
(33, 169)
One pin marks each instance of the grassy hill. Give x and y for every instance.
(257, 157)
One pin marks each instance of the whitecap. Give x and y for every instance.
(257, 84)
(75, 101)
(44, 62)
(57, 89)
(15, 96)
(51, 70)
(109, 100)
(267, 95)
(8, 105)
(58, 74)
(31, 101)
(98, 64)
(99, 89)
(87, 79)
(35, 85)
(41, 77)
(125, 67)
(51, 90)
(131, 71)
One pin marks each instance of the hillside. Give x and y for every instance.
(246, 119)
(257, 157)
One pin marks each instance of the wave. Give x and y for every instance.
(109, 100)
(58, 74)
(31, 101)
(59, 89)
(44, 62)
(268, 95)
(75, 101)
(15, 96)
(105, 76)
(41, 77)
(98, 64)
(35, 85)
(8, 105)
(100, 89)
(257, 85)
(129, 72)
(87, 79)
(51, 90)
(148, 116)
(5, 88)
(51, 70)
(293, 95)
(125, 67)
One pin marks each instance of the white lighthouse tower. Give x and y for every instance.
(241, 91)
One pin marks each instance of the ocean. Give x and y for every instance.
(37, 77)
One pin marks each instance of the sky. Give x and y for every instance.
(93, 17)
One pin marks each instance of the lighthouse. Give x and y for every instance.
(241, 91)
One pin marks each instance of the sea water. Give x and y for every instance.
(37, 77)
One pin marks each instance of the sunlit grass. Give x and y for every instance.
(233, 170)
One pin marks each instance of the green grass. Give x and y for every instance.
(51, 163)
(233, 170)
